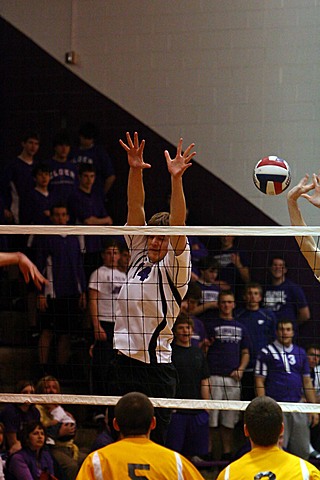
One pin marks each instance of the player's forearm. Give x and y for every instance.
(136, 197)
(9, 258)
(178, 209)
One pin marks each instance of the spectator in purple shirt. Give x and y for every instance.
(61, 301)
(89, 152)
(282, 372)
(17, 180)
(228, 357)
(284, 297)
(63, 173)
(33, 460)
(16, 415)
(86, 207)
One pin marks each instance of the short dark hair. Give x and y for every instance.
(194, 291)
(263, 418)
(88, 130)
(28, 134)
(86, 167)
(225, 293)
(58, 205)
(40, 167)
(160, 219)
(313, 346)
(134, 413)
(181, 319)
(61, 138)
(253, 285)
(277, 257)
(27, 429)
(208, 262)
(283, 321)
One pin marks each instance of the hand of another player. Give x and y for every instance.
(315, 197)
(178, 165)
(29, 270)
(300, 189)
(134, 151)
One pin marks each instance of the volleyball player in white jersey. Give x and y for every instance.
(158, 277)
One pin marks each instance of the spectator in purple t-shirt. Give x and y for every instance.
(284, 297)
(210, 287)
(17, 180)
(86, 207)
(63, 173)
(228, 357)
(16, 415)
(233, 265)
(33, 461)
(282, 372)
(89, 152)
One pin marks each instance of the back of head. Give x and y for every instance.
(134, 413)
(160, 219)
(263, 418)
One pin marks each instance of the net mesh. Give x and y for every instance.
(19, 314)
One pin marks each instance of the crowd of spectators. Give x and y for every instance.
(232, 337)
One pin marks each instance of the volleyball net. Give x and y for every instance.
(254, 249)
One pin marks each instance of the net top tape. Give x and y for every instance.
(157, 402)
(283, 231)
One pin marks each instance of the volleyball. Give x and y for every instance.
(272, 175)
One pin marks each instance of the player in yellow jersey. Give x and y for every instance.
(135, 456)
(263, 424)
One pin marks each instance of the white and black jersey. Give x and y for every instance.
(149, 302)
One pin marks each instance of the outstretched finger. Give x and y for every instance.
(123, 145)
(129, 140)
(136, 140)
(141, 148)
(187, 150)
(179, 147)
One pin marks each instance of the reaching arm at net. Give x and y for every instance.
(135, 188)
(306, 244)
(176, 167)
(27, 268)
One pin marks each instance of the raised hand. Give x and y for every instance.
(315, 197)
(134, 151)
(300, 189)
(178, 165)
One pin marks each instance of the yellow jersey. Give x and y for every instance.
(137, 458)
(269, 463)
